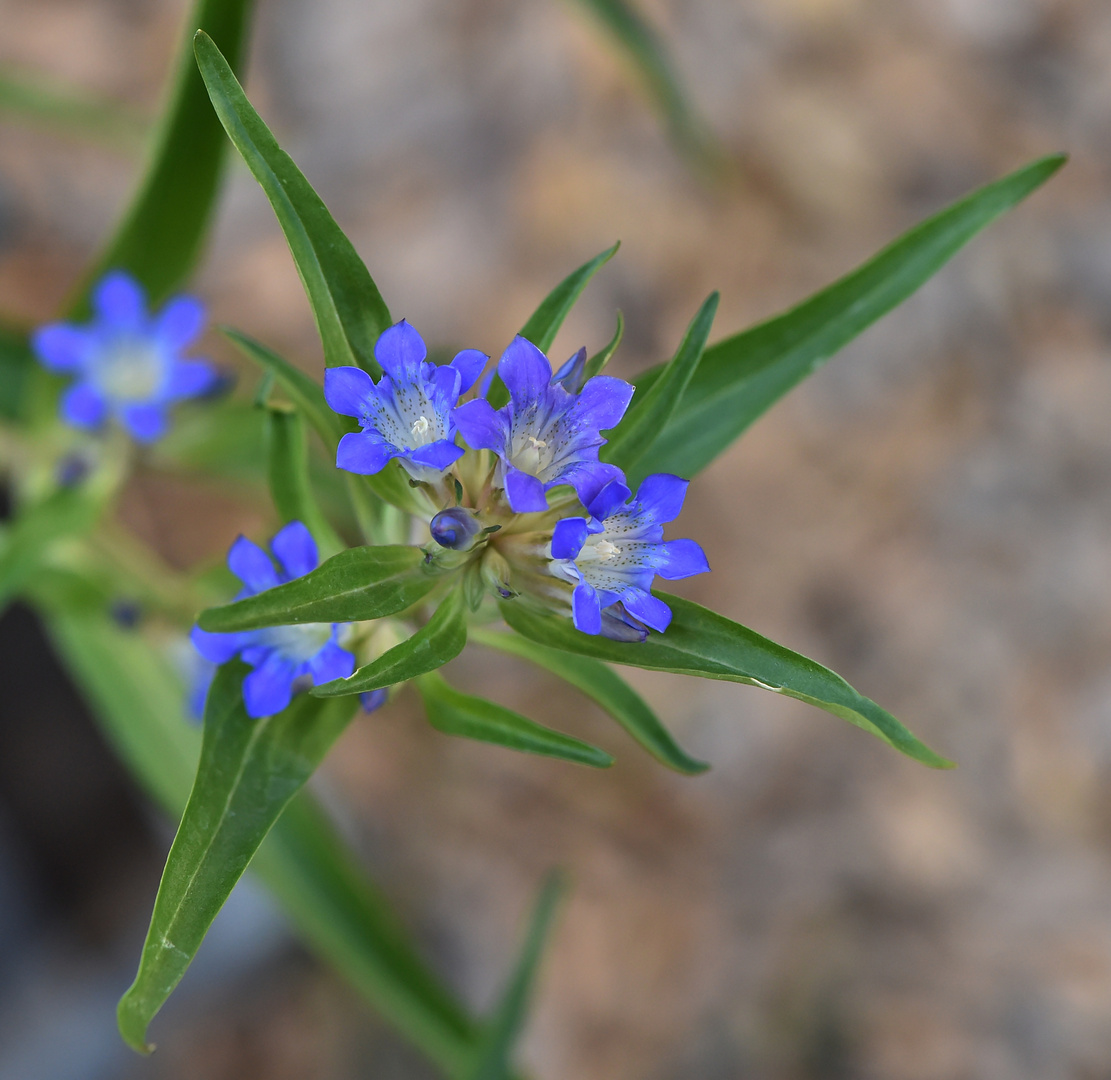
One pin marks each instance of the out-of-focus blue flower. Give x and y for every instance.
(200, 677)
(546, 435)
(612, 557)
(280, 655)
(373, 700)
(407, 415)
(127, 364)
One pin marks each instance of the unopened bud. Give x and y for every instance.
(455, 528)
(496, 573)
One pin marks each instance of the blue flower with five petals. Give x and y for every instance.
(407, 415)
(546, 435)
(282, 656)
(612, 557)
(128, 365)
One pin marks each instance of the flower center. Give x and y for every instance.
(606, 549)
(297, 643)
(420, 426)
(130, 370)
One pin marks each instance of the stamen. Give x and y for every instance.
(421, 426)
(606, 550)
(537, 444)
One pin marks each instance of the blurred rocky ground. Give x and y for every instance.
(930, 515)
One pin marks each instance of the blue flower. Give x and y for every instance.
(612, 557)
(546, 435)
(407, 415)
(281, 655)
(128, 365)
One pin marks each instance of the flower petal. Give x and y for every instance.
(248, 562)
(63, 348)
(615, 494)
(570, 376)
(400, 351)
(482, 426)
(295, 548)
(645, 607)
(146, 422)
(219, 648)
(441, 454)
(374, 699)
(525, 493)
(603, 402)
(190, 378)
(469, 363)
(332, 662)
(525, 371)
(568, 538)
(364, 453)
(82, 406)
(269, 688)
(680, 559)
(588, 478)
(346, 390)
(180, 322)
(661, 496)
(119, 302)
(586, 611)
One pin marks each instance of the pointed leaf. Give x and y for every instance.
(440, 639)
(248, 771)
(651, 408)
(349, 311)
(597, 363)
(701, 642)
(455, 713)
(361, 583)
(162, 232)
(744, 375)
(493, 1058)
(607, 688)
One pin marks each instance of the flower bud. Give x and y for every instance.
(496, 573)
(455, 528)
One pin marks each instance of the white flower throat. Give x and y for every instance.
(129, 370)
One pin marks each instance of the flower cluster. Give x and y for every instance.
(126, 364)
(504, 480)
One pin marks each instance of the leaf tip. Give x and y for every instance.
(132, 1028)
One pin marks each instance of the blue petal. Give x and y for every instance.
(586, 611)
(269, 688)
(441, 454)
(680, 559)
(364, 453)
(603, 402)
(82, 406)
(525, 371)
(568, 538)
(119, 302)
(588, 478)
(570, 376)
(615, 494)
(198, 691)
(469, 363)
(645, 607)
(524, 492)
(295, 549)
(400, 351)
(445, 387)
(219, 648)
(661, 495)
(189, 378)
(63, 348)
(618, 625)
(332, 662)
(346, 389)
(374, 699)
(180, 322)
(248, 562)
(482, 427)
(146, 422)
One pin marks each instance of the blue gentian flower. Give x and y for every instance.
(282, 656)
(612, 557)
(546, 435)
(128, 364)
(407, 415)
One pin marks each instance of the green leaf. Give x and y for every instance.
(744, 375)
(455, 713)
(349, 311)
(137, 698)
(652, 408)
(160, 237)
(544, 324)
(361, 583)
(289, 479)
(607, 688)
(440, 639)
(701, 642)
(303, 390)
(493, 1058)
(597, 363)
(16, 364)
(248, 771)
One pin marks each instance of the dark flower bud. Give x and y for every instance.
(455, 528)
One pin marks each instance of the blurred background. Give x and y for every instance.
(930, 515)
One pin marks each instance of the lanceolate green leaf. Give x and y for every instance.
(701, 642)
(440, 639)
(160, 237)
(289, 479)
(455, 713)
(494, 1053)
(249, 770)
(544, 324)
(607, 688)
(652, 408)
(137, 697)
(597, 363)
(744, 375)
(350, 312)
(361, 583)
(16, 365)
